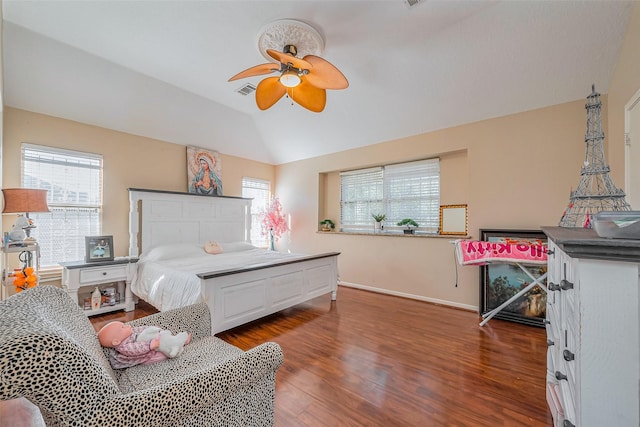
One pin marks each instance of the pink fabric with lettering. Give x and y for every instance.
(473, 252)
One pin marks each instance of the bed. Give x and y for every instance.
(168, 230)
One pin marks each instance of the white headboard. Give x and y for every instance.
(162, 217)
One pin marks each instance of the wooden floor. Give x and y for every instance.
(377, 360)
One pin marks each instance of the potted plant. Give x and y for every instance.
(327, 225)
(408, 223)
(378, 218)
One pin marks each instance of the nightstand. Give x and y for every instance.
(80, 278)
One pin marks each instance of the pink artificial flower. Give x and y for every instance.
(273, 220)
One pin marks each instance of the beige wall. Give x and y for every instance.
(129, 162)
(514, 172)
(624, 84)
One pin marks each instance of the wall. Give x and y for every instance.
(129, 162)
(514, 172)
(624, 84)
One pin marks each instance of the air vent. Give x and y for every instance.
(246, 89)
(411, 3)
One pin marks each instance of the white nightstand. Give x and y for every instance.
(80, 278)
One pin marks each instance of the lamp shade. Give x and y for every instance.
(290, 79)
(19, 200)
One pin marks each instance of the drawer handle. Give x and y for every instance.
(560, 376)
(566, 285)
(104, 273)
(568, 356)
(550, 343)
(551, 252)
(567, 423)
(554, 286)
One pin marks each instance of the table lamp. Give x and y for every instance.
(25, 200)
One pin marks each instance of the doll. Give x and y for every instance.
(129, 346)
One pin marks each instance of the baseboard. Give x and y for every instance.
(406, 295)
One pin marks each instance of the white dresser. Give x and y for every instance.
(593, 329)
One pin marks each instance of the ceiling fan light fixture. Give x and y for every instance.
(290, 79)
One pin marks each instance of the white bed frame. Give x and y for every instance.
(235, 297)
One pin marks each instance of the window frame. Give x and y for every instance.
(256, 210)
(92, 222)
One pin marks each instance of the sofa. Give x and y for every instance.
(50, 355)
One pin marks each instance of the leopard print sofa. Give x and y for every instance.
(50, 354)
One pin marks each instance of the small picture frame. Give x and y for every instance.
(453, 220)
(98, 248)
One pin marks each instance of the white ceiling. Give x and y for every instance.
(160, 68)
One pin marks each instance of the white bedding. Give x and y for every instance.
(167, 276)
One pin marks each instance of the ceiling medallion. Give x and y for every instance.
(278, 34)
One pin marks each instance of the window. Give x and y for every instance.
(260, 191)
(74, 183)
(406, 190)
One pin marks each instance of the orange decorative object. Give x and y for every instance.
(24, 279)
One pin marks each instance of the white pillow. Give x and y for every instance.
(236, 246)
(176, 250)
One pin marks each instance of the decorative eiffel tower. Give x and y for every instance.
(596, 191)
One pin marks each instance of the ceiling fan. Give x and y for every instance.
(305, 80)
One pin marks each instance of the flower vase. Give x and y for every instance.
(272, 246)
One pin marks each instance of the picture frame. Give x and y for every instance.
(453, 220)
(500, 281)
(204, 171)
(98, 248)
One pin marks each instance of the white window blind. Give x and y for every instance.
(361, 195)
(74, 183)
(260, 191)
(406, 190)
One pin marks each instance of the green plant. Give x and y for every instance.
(379, 217)
(327, 223)
(408, 222)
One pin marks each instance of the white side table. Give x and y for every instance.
(80, 276)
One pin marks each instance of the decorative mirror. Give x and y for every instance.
(453, 219)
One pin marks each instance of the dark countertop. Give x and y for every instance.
(585, 243)
(84, 264)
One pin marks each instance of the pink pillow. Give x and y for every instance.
(212, 248)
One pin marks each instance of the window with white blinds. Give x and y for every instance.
(74, 183)
(406, 190)
(260, 191)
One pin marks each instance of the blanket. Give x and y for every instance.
(472, 252)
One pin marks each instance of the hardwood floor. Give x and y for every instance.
(377, 360)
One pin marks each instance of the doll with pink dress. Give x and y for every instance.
(130, 346)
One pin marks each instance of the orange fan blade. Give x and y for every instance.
(285, 58)
(324, 74)
(309, 96)
(269, 91)
(258, 70)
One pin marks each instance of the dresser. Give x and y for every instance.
(593, 329)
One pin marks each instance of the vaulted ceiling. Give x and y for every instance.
(160, 68)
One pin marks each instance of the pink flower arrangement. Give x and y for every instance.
(273, 220)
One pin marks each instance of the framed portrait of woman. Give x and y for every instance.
(204, 171)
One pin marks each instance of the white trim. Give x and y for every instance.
(410, 296)
(62, 151)
(635, 99)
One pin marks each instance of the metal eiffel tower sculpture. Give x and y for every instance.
(596, 191)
